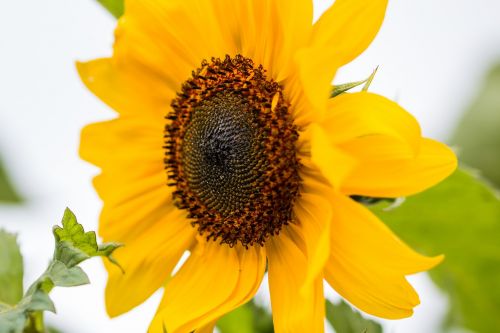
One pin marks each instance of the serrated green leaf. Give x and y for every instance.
(7, 192)
(11, 269)
(74, 245)
(477, 136)
(345, 319)
(62, 276)
(461, 218)
(342, 88)
(115, 7)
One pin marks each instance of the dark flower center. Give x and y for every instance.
(221, 153)
(230, 152)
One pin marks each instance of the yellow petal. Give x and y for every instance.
(303, 112)
(266, 31)
(212, 282)
(334, 164)
(386, 170)
(133, 184)
(209, 328)
(136, 213)
(270, 33)
(137, 140)
(130, 196)
(341, 34)
(293, 311)
(295, 19)
(350, 116)
(314, 72)
(168, 38)
(311, 233)
(347, 28)
(368, 263)
(133, 197)
(128, 91)
(147, 259)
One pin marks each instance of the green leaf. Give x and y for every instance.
(369, 80)
(15, 319)
(62, 276)
(73, 244)
(12, 321)
(39, 301)
(11, 269)
(461, 218)
(115, 7)
(342, 88)
(477, 135)
(345, 319)
(7, 192)
(4, 306)
(248, 318)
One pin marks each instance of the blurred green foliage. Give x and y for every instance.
(478, 133)
(53, 330)
(7, 192)
(115, 7)
(11, 269)
(248, 318)
(461, 218)
(345, 319)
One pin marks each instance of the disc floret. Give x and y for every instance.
(230, 152)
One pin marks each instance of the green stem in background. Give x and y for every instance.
(35, 323)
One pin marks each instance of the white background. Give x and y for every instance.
(432, 56)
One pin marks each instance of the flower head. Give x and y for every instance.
(228, 146)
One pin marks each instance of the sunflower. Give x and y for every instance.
(227, 146)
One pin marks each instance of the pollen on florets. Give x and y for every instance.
(230, 152)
